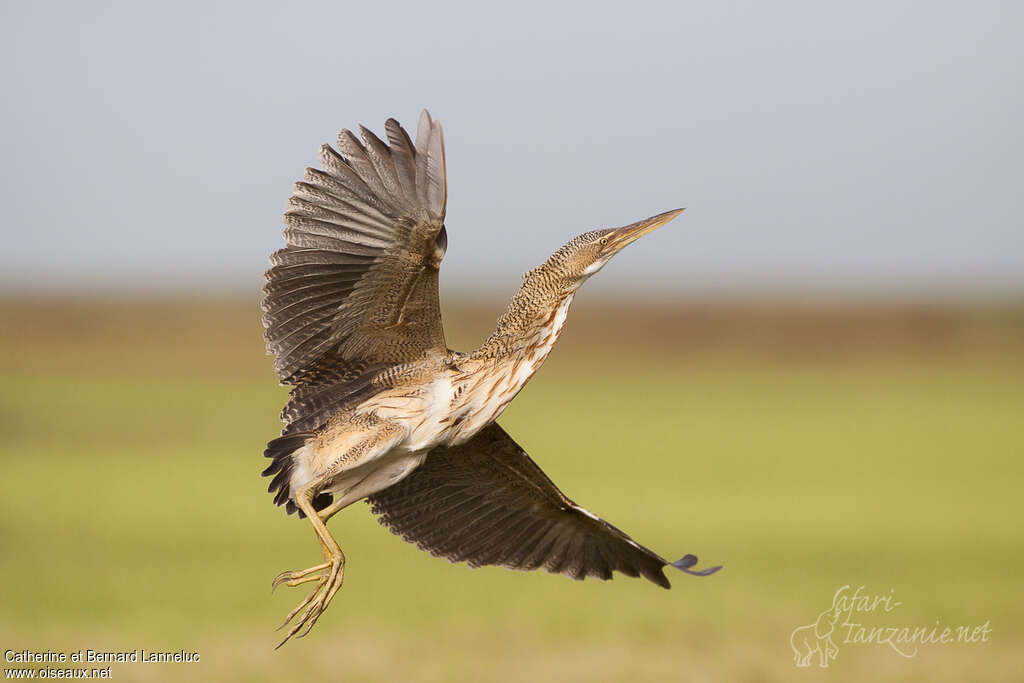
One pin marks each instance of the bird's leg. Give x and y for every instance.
(328, 575)
(334, 508)
(301, 576)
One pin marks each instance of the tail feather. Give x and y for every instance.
(281, 451)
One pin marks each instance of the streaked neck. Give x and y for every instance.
(530, 327)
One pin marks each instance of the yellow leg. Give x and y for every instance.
(328, 575)
(298, 577)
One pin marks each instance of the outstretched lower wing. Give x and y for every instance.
(487, 503)
(356, 285)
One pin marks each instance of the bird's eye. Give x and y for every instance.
(604, 240)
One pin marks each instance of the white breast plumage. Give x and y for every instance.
(489, 393)
(456, 405)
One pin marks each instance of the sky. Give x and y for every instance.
(865, 149)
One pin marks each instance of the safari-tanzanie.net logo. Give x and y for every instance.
(853, 620)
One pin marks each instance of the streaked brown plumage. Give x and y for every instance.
(381, 409)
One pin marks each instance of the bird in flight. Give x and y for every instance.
(380, 408)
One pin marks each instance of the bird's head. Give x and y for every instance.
(583, 256)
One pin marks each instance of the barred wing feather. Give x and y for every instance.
(356, 284)
(487, 503)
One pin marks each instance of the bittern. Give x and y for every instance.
(381, 408)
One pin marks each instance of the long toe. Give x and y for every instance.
(290, 576)
(337, 577)
(317, 601)
(331, 588)
(308, 599)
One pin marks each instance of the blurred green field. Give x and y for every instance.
(134, 515)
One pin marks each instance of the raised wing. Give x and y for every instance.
(487, 503)
(356, 285)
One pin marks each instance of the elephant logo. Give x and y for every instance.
(851, 608)
(816, 638)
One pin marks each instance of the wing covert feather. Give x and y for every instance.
(487, 503)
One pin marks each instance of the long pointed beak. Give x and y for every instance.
(620, 237)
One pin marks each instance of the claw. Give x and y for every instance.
(309, 598)
(286, 577)
(315, 604)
